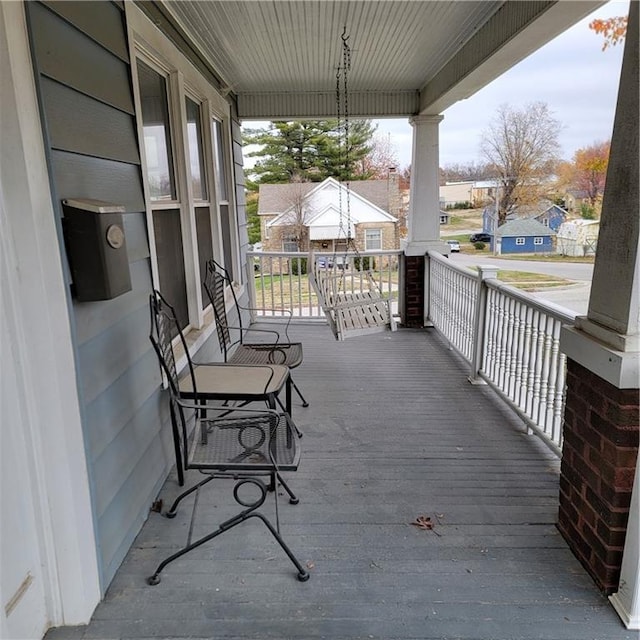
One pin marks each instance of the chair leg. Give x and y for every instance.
(172, 511)
(273, 485)
(295, 386)
(249, 512)
(295, 426)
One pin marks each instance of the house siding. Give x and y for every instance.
(84, 84)
(509, 245)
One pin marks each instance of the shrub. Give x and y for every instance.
(479, 246)
(298, 266)
(587, 212)
(459, 205)
(364, 264)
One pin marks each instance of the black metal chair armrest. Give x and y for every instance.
(284, 312)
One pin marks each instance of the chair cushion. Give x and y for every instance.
(235, 381)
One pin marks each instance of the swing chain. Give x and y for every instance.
(342, 104)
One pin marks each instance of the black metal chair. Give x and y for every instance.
(222, 381)
(241, 444)
(281, 351)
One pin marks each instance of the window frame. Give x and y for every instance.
(367, 239)
(538, 240)
(521, 241)
(148, 44)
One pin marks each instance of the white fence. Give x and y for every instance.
(510, 340)
(279, 280)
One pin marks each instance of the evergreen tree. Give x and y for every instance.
(309, 151)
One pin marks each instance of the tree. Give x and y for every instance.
(590, 169)
(309, 150)
(297, 214)
(460, 172)
(522, 147)
(253, 219)
(380, 159)
(612, 29)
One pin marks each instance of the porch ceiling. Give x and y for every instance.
(408, 57)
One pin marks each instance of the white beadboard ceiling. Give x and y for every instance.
(408, 56)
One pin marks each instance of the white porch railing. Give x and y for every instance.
(510, 340)
(278, 280)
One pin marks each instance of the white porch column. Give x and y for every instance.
(607, 340)
(424, 206)
(626, 600)
(603, 357)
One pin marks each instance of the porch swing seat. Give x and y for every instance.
(350, 313)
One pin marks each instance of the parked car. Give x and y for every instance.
(324, 262)
(480, 237)
(328, 262)
(454, 246)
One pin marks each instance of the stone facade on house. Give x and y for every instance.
(317, 215)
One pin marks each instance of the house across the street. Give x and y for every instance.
(323, 216)
(524, 236)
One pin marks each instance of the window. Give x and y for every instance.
(519, 241)
(195, 146)
(157, 137)
(222, 196)
(538, 240)
(165, 212)
(185, 134)
(372, 239)
(289, 242)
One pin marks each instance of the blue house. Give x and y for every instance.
(546, 212)
(524, 236)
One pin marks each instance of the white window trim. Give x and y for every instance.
(147, 43)
(367, 239)
(520, 241)
(538, 240)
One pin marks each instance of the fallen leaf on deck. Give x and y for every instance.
(423, 522)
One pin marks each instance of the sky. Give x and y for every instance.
(571, 74)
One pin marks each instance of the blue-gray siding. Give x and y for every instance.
(81, 56)
(84, 82)
(509, 245)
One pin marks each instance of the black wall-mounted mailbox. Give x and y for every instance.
(97, 249)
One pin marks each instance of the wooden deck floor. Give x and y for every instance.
(394, 432)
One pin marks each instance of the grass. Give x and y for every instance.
(284, 290)
(528, 281)
(548, 257)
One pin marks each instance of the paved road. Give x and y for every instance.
(575, 297)
(577, 271)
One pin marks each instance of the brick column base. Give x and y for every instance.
(599, 454)
(413, 315)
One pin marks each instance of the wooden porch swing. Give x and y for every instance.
(349, 313)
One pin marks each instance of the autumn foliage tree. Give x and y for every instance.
(522, 148)
(612, 29)
(590, 170)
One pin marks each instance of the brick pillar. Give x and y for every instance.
(413, 313)
(598, 465)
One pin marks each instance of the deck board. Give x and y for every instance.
(394, 431)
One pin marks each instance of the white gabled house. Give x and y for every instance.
(327, 214)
